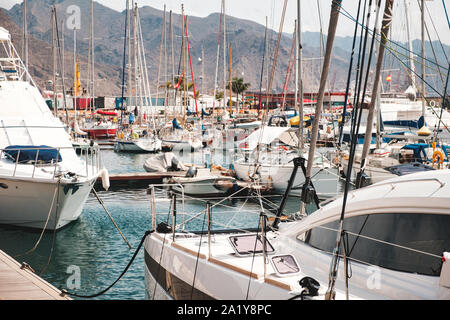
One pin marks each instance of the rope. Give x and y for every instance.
(198, 256)
(446, 14)
(63, 291)
(162, 250)
(45, 225)
(54, 230)
(253, 260)
(110, 216)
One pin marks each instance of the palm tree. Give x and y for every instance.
(219, 96)
(239, 87)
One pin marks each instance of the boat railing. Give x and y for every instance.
(151, 191)
(90, 155)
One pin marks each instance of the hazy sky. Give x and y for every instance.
(257, 10)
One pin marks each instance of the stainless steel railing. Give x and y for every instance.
(90, 155)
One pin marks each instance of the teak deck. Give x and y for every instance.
(22, 284)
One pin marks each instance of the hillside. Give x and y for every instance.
(246, 37)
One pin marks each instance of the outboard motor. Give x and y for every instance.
(192, 172)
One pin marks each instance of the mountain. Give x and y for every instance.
(40, 61)
(246, 37)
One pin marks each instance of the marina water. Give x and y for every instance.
(92, 245)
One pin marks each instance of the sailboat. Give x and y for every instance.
(177, 138)
(99, 126)
(269, 152)
(397, 248)
(44, 184)
(130, 140)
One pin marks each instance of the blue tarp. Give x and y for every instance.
(175, 124)
(418, 149)
(419, 123)
(204, 113)
(408, 168)
(190, 113)
(28, 153)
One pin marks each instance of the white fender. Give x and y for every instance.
(105, 179)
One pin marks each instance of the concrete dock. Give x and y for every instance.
(20, 283)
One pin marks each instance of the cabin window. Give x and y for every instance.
(382, 239)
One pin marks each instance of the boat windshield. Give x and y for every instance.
(408, 242)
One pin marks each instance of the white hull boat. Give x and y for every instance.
(43, 182)
(396, 240)
(276, 177)
(205, 183)
(138, 145)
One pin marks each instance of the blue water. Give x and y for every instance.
(93, 244)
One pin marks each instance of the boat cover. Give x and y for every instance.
(408, 168)
(269, 135)
(163, 162)
(28, 154)
(175, 124)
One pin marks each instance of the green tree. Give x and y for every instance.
(219, 96)
(238, 86)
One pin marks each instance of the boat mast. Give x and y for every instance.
(185, 79)
(423, 56)
(166, 92)
(136, 72)
(230, 85)
(92, 104)
(129, 65)
(410, 48)
(334, 17)
(299, 77)
(75, 72)
(203, 74)
(387, 19)
(55, 98)
(217, 58)
(262, 69)
(63, 58)
(224, 57)
(172, 55)
(161, 44)
(124, 64)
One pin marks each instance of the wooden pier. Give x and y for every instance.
(142, 179)
(20, 283)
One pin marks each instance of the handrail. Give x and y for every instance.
(152, 187)
(92, 158)
(406, 180)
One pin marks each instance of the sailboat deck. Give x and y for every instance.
(22, 284)
(224, 255)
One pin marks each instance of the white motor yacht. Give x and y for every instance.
(43, 182)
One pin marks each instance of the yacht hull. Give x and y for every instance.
(137, 146)
(276, 177)
(28, 203)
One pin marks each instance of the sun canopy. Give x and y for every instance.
(267, 135)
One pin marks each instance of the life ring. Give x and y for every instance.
(440, 154)
(283, 148)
